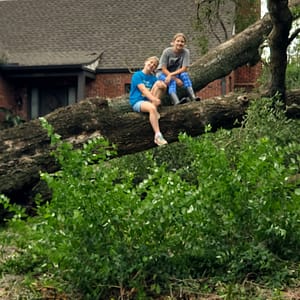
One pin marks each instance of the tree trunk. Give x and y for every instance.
(25, 150)
(281, 18)
(242, 49)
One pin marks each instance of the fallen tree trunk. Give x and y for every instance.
(26, 150)
(240, 50)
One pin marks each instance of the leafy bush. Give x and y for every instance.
(9, 119)
(292, 75)
(220, 205)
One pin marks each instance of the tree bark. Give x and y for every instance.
(26, 150)
(242, 49)
(281, 18)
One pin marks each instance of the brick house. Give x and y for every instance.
(57, 52)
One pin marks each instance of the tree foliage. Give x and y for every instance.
(219, 206)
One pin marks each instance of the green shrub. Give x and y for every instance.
(8, 118)
(221, 207)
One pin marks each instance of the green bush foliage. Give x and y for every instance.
(8, 118)
(221, 206)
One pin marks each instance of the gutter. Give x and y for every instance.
(16, 67)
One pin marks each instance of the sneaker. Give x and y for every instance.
(183, 100)
(159, 140)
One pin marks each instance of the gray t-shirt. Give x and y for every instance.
(174, 61)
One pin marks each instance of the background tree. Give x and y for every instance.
(281, 18)
(278, 40)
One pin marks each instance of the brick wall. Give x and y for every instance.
(9, 96)
(14, 98)
(246, 77)
(113, 85)
(108, 85)
(218, 87)
(247, 12)
(6, 94)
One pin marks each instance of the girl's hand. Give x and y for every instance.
(156, 101)
(178, 82)
(168, 79)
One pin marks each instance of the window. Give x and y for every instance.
(127, 88)
(46, 100)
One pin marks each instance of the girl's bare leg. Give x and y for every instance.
(147, 106)
(158, 90)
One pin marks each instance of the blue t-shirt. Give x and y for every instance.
(140, 77)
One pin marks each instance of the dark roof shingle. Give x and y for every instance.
(125, 32)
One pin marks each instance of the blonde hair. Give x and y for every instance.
(153, 58)
(179, 34)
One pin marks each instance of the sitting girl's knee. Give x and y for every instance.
(161, 85)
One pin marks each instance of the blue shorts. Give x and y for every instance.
(137, 106)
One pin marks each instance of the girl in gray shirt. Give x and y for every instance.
(173, 67)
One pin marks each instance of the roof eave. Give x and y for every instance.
(16, 67)
(113, 70)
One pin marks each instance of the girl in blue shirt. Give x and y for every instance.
(145, 93)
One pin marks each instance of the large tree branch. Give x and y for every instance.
(26, 150)
(238, 51)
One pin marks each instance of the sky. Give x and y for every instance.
(263, 7)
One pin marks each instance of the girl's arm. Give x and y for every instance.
(170, 75)
(182, 69)
(146, 93)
